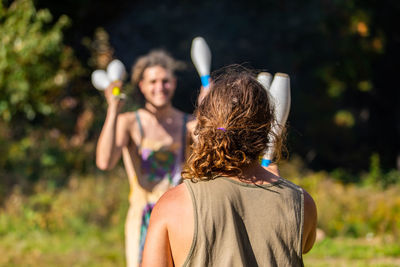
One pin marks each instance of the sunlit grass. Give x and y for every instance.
(354, 252)
(82, 223)
(105, 247)
(92, 248)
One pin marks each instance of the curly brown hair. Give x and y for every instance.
(234, 123)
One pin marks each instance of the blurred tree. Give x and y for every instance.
(33, 60)
(36, 70)
(355, 74)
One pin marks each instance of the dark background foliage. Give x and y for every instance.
(341, 55)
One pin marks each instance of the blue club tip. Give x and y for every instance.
(265, 162)
(205, 80)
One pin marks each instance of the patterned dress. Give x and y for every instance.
(159, 170)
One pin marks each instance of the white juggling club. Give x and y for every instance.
(100, 79)
(201, 57)
(115, 72)
(265, 78)
(279, 90)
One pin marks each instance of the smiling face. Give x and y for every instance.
(158, 86)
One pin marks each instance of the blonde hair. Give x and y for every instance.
(234, 123)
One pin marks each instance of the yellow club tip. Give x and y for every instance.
(116, 91)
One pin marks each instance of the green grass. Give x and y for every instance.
(105, 247)
(94, 247)
(82, 224)
(354, 252)
(79, 225)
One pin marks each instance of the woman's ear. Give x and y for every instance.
(140, 83)
(174, 82)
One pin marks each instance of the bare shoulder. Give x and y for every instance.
(161, 231)
(310, 222)
(127, 117)
(310, 210)
(172, 206)
(309, 204)
(173, 202)
(127, 121)
(174, 212)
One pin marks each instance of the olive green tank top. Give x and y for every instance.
(241, 224)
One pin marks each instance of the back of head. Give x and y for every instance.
(234, 124)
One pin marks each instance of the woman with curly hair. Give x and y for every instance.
(231, 211)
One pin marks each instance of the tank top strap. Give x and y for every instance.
(140, 128)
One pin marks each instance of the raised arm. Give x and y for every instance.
(191, 124)
(114, 134)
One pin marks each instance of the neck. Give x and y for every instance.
(160, 112)
(256, 173)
